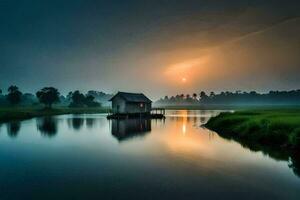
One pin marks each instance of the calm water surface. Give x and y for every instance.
(89, 157)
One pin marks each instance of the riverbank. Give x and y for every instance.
(228, 107)
(22, 113)
(278, 128)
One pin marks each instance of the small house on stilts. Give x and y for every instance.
(132, 105)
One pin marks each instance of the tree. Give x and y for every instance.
(48, 96)
(194, 96)
(0, 91)
(203, 96)
(90, 101)
(78, 99)
(14, 95)
(69, 96)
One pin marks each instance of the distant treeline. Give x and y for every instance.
(50, 95)
(233, 98)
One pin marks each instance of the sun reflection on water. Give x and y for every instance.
(183, 129)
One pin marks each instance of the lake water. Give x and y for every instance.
(89, 157)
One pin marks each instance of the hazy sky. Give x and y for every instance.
(156, 47)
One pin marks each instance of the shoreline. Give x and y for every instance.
(278, 129)
(8, 114)
(227, 107)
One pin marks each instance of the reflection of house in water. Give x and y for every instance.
(128, 128)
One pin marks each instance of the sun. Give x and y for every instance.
(183, 79)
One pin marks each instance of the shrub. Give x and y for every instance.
(294, 137)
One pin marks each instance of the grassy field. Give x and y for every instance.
(279, 127)
(20, 113)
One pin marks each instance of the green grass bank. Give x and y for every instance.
(21, 113)
(278, 128)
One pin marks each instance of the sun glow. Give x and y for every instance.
(186, 70)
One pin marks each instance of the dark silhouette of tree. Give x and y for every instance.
(89, 98)
(48, 96)
(14, 95)
(172, 98)
(203, 96)
(0, 91)
(29, 99)
(291, 97)
(69, 96)
(100, 96)
(188, 98)
(78, 99)
(195, 96)
(90, 101)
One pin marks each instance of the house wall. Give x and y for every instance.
(148, 107)
(118, 105)
(136, 108)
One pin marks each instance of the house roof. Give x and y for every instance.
(132, 97)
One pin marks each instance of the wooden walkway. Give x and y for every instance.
(156, 113)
